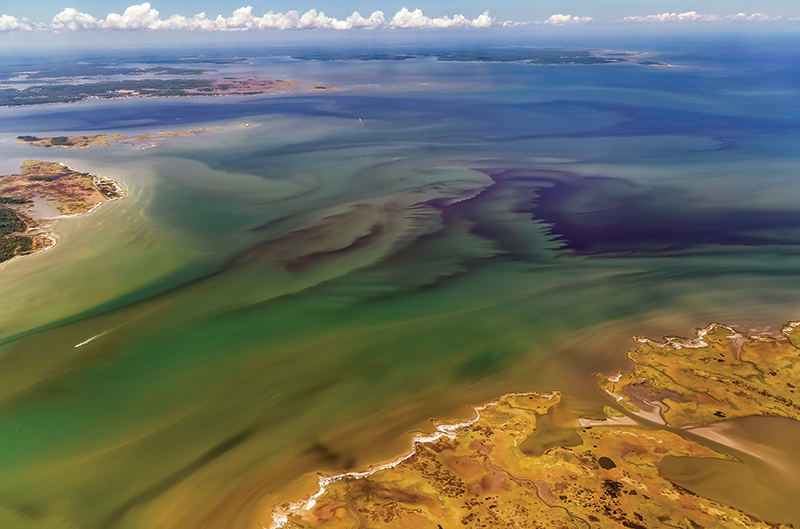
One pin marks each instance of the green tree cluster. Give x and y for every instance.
(60, 140)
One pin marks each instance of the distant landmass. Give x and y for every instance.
(544, 56)
(71, 92)
(195, 76)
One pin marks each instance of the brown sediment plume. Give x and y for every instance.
(477, 473)
(69, 191)
(359, 242)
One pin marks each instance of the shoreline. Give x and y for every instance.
(278, 92)
(448, 430)
(105, 140)
(444, 430)
(43, 227)
(334, 501)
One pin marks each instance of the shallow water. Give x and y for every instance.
(301, 294)
(763, 481)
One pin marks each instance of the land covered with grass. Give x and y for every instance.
(501, 470)
(70, 192)
(103, 140)
(67, 92)
(721, 374)
(519, 54)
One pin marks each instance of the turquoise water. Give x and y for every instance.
(299, 295)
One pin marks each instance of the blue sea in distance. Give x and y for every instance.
(302, 294)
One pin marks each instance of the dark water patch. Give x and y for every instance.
(276, 225)
(594, 215)
(483, 363)
(652, 120)
(493, 223)
(328, 456)
(606, 463)
(276, 246)
(163, 486)
(358, 243)
(324, 452)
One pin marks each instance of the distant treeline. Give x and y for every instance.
(87, 70)
(10, 223)
(67, 93)
(9, 200)
(58, 140)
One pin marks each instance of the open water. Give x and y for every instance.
(302, 294)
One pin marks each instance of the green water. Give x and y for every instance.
(302, 294)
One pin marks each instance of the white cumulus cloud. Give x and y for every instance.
(694, 16)
(416, 19)
(755, 16)
(566, 20)
(73, 20)
(145, 17)
(141, 16)
(9, 23)
(689, 16)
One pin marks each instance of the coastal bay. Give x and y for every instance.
(306, 294)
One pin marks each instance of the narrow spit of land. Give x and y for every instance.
(494, 471)
(103, 140)
(67, 92)
(23, 231)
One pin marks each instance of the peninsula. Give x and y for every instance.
(24, 231)
(495, 471)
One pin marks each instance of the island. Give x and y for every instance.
(517, 54)
(103, 140)
(498, 470)
(24, 231)
(65, 91)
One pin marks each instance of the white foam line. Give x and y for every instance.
(790, 326)
(280, 516)
(699, 341)
(96, 336)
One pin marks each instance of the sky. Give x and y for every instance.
(45, 23)
(600, 11)
(517, 10)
